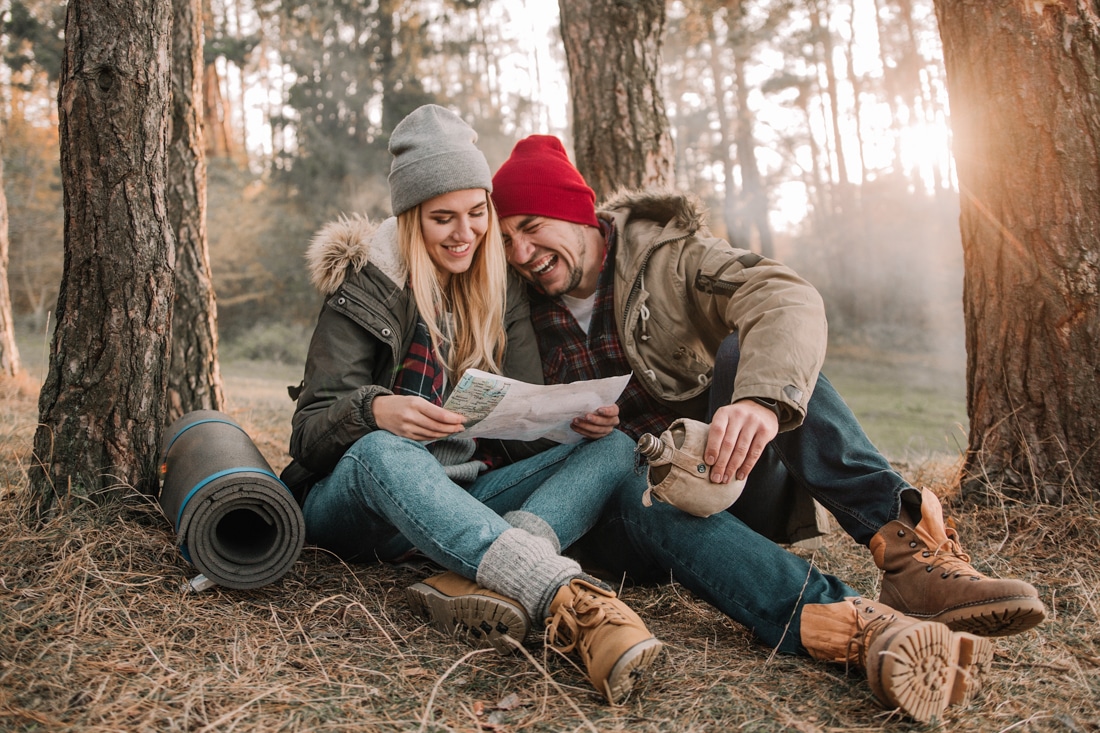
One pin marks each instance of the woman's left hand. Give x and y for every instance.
(415, 418)
(597, 424)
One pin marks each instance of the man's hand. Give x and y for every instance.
(738, 434)
(597, 424)
(415, 418)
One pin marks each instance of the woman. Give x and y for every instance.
(410, 304)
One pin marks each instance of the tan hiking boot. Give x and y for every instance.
(927, 575)
(458, 606)
(919, 667)
(611, 640)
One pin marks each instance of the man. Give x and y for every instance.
(731, 338)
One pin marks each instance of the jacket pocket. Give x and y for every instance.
(679, 369)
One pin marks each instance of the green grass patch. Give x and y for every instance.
(913, 407)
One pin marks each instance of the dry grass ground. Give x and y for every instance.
(99, 633)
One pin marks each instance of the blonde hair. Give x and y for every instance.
(475, 298)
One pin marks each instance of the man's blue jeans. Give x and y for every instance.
(732, 566)
(829, 455)
(388, 495)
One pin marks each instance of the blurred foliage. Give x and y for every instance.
(32, 184)
(282, 343)
(34, 39)
(336, 75)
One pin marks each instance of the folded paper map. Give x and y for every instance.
(499, 407)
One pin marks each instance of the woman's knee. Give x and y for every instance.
(380, 443)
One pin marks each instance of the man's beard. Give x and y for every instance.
(571, 283)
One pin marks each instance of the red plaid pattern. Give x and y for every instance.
(568, 354)
(420, 374)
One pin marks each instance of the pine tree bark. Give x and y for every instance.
(1024, 85)
(9, 353)
(620, 129)
(102, 409)
(194, 379)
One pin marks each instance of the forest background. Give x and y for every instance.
(813, 132)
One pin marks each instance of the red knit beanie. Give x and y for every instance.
(538, 179)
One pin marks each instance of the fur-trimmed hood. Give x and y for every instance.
(351, 242)
(659, 205)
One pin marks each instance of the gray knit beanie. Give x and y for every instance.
(433, 154)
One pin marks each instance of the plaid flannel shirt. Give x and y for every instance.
(568, 354)
(421, 374)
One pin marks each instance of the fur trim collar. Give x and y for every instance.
(659, 205)
(352, 242)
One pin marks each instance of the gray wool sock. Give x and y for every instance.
(526, 568)
(534, 524)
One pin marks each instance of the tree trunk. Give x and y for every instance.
(831, 93)
(194, 379)
(620, 129)
(102, 407)
(9, 354)
(1024, 84)
(737, 232)
(754, 198)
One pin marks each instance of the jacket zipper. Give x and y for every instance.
(637, 284)
(710, 284)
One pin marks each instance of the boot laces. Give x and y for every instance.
(950, 559)
(866, 632)
(585, 612)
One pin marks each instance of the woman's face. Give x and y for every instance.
(453, 226)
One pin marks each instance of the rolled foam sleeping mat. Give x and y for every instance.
(234, 519)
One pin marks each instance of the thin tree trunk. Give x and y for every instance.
(736, 230)
(214, 108)
(194, 380)
(755, 198)
(857, 95)
(9, 353)
(102, 409)
(1025, 109)
(621, 132)
(890, 89)
(825, 35)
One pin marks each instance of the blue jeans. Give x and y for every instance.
(731, 564)
(740, 572)
(388, 495)
(829, 456)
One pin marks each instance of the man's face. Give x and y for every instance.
(554, 255)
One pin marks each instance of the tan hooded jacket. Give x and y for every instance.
(679, 291)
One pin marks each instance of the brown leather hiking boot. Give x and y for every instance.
(928, 576)
(458, 606)
(919, 667)
(611, 640)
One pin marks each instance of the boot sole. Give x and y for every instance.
(630, 669)
(995, 618)
(915, 670)
(973, 657)
(482, 621)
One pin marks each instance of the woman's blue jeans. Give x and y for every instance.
(733, 566)
(388, 495)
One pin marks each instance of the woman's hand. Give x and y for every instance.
(597, 424)
(415, 418)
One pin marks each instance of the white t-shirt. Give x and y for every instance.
(581, 308)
